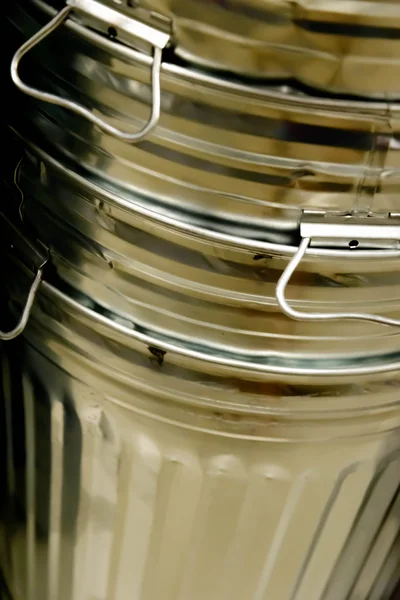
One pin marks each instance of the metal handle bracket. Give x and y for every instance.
(350, 231)
(134, 26)
(132, 31)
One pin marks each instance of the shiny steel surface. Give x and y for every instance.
(348, 46)
(234, 152)
(169, 482)
(147, 266)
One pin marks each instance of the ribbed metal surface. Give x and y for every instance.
(351, 47)
(129, 258)
(221, 148)
(342, 47)
(135, 478)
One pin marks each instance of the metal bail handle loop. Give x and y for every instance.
(19, 328)
(314, 316)
(27, 250)
(43, 33)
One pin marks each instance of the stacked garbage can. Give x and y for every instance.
(201, 385)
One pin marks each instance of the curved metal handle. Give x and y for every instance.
(19, 328)
(314, 316)
(37, 256)
(78, 108)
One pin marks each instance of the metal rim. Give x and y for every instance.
(368, 365)
(212, 236)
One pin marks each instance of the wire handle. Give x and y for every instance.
(315, 316)
(36, 254)
(75, 107)
(19, 328)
